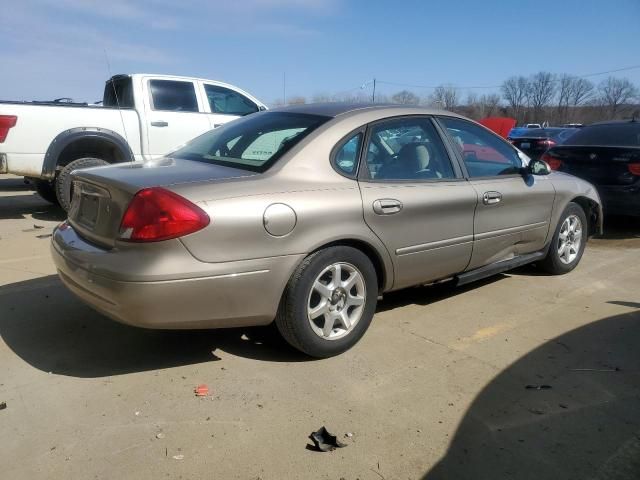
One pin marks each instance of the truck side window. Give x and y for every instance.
(173, 96)
(227, 102)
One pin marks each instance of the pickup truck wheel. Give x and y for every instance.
(329, 302)
(46, 190)
(64, 187)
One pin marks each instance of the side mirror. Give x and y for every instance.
(539, 167)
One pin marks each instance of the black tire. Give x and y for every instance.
(63, 180)
(552, 263)
(46, 190)
(292, 320)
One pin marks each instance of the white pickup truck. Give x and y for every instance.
(142, 116)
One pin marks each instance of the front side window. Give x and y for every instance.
(484, 154)
(251, 143)
(407, 149)
(227, 102)
(173, 96)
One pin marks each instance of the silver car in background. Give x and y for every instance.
(305, 215)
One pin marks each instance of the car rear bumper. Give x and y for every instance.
(621, 200)
(230, 294)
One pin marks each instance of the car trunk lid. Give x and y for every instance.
(600, 165)
(101, 195)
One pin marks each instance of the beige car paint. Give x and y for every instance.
(233, 272)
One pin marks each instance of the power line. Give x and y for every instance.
(471, 87)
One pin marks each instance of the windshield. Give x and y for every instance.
(251, 143)
(615, 134)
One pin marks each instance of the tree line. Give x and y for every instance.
(542, 97)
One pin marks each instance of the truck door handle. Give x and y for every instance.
(387, 206)
(491, 198)
(160, 123)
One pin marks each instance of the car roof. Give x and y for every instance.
(614, 122)
(335, 109)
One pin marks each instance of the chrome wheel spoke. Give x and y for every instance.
(345, 320)
(324, 290)
(336, 275)
(355, 301)
(350, 282)
(569, 239)
(327, 328)
(321, 309)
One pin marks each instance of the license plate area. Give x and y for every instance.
(88, 204)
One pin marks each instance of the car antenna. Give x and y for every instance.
(115, 93)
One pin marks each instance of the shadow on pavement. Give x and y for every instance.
(19, 206)
(586, 426)
(51, 330)
(620, 228)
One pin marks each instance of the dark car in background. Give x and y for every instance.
(607, 155)
(535, 141)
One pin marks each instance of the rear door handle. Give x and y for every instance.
(160, 123)
(491, 198)
(387, 206)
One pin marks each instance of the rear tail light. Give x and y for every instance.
(634, 168)
(553, 162)
(157, 214)
(6, 122)
(546, 143)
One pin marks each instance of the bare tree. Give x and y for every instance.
(321, 98)
(540, 92)
(445, 96)
(615, 92)
(581, 92)
(297, 100)
(406, 97)
(490, 103)
(514, 91)
(565, 87)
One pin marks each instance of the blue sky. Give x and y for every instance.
(55, 48)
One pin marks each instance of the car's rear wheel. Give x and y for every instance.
(329, 302)
(63, 184)
(568, 242)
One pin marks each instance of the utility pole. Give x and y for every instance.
(373, 95)
(284, 88)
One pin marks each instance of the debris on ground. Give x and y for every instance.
(536, 411)
(538, 387)
(348, 434)
(160, 435)
(37, 227)
(323, 441)
(3, 405)
(46, 235)
(201, 390)
(137, 413)
(178, 457)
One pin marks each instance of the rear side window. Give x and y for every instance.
(118, 92)
(615, 134)
(407, 149)
(484, 154)
(227, 102)
(346, 157)
(173, 96)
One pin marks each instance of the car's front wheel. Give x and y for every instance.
(568, 242)
(329, 302)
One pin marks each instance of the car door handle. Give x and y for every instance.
(387, 206)
(491, 198)
(160, 123)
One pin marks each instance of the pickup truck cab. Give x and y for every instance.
(142, 116)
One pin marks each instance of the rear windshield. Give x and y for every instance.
(556, 133)
(251, 143)
(614, 134)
